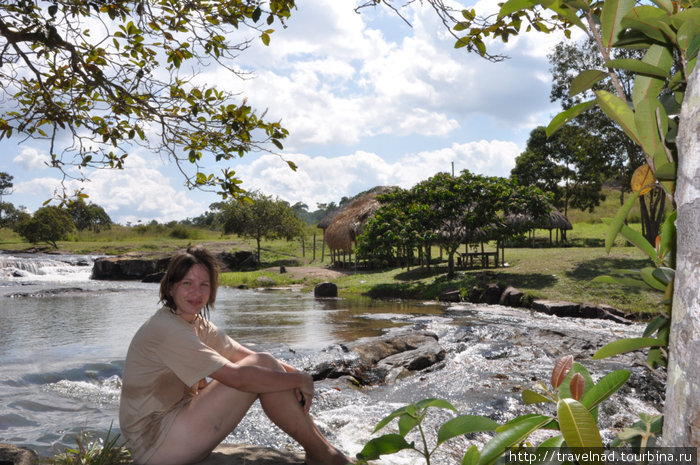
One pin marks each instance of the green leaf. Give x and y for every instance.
(407, 423)
(664, 275)
(657, 323)
(387, 419)
(649, 112)
(383, 445)
(668, 237)
(638, 66)
(686, 33)
(533, 397)
(626, 345)
(464, 424)
(615, 225)
(647, 274)
(649, 87)
(619, 281)
(566, 12)
(578, 426)
(665, 4)
(650, 21)
(636, 238)
(437, 403)
(513, 432)
(567, 115)
(611, 18)
(472, 456)
(585, 80)
(604, 388)
(619, 111)
(511, 6)
(666, 172)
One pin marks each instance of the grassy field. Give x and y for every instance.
(558, 272)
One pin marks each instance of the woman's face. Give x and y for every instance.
(191, 294)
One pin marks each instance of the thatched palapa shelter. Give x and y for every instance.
(341, 229)
(555, 221)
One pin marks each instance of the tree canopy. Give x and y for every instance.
(448, 211)
(49, 224)
(6, 184)
(88, 216)
(95, 80)
(263, 217)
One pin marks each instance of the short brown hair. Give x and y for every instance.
(180, 265)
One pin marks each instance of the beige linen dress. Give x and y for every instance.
(166, 365)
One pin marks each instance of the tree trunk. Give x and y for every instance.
(682, 407)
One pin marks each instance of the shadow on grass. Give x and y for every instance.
(421, 273)
(585, 271)
(410, 286)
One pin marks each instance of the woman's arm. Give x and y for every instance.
(260, 380)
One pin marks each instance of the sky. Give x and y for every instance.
(368, 101)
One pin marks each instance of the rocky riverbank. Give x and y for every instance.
(226, 454)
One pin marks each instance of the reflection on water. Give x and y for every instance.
(300, 321)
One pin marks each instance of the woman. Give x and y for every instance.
(169, 414)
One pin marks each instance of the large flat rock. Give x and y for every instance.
(244, 454)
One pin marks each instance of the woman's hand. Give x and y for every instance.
(305, 393)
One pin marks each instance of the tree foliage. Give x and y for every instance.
(5, 184)
(89, 216)
(49, 224)
(97, 79)
(448, 211)
(571, 165)
(11, 216)
(260, 218)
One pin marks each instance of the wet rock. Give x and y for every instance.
(326, 290)
(127, 267)
(238, 260)
(243, 454)
(556, 307)
(383, 360)
(492, 294)
(137, 266)
(585, 310)
(13, 455)
(511, 297)
(452, 295)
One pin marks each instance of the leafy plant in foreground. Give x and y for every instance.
(573, 392)
(98, 452)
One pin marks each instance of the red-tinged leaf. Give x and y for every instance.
(561, 369)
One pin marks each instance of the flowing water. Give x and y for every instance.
(63, 339)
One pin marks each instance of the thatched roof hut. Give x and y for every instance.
(348, 223)
(555, 220)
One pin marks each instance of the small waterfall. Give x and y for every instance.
(44, 267)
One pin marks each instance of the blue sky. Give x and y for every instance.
(368, 101)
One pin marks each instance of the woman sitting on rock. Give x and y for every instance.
(170, 414)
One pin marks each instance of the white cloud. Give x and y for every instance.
(324, 179)
(141, 191)
(32, 159)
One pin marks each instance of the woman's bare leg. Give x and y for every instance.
(218, 409)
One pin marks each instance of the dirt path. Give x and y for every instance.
(301, 272)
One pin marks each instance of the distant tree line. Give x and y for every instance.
(50, 223)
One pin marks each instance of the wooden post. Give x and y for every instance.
(314, 253)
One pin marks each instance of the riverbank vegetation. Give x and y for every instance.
(559, 272)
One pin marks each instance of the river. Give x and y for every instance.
(64, 339)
